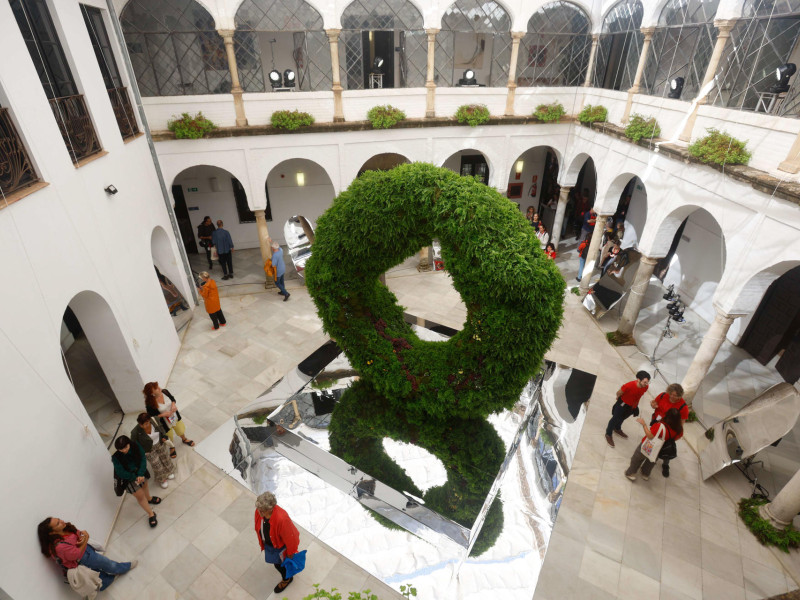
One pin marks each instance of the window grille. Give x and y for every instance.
(16, 168)
(555, 50)
(175, 48)
(619, 46)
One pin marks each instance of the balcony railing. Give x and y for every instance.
(16, 169)
(76, 126)
(123, 111)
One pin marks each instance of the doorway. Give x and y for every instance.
(617, 56)
(378, 45)
(184, 224)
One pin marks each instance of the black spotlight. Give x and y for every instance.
(670, 294)
(469, 78)
(782, 74)
(275, 78)
(288, 78)
(675, 88)
(377, 65)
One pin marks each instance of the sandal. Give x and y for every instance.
(282, 585)
(154, 500)
(153, 521)
(173, 454)
(188, 442)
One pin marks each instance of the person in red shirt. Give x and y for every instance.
(627, 404)
(671, 398)
(550, 250)
(673, 430)
(277, 535)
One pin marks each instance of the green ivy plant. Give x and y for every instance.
(384, 117)
(190, 127)
(720, 148)
(408, 591)
(549, 112)
(472, 114)
(641, 127)
(291, 119)
(593, 114)
(334, 594)
(766, 532)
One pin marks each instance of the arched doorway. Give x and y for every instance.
(296, 186)
(631, 213)
(619, 46)
(170, 278)
(99, 363)
(469, 163)
(533, 182)
(383, 162)
(581, 199)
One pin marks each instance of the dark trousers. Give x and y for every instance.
(639, 460)
(217, 318)
(226, 260)
(208, 256)
(619, 413)
(281, 287)
(281, 570)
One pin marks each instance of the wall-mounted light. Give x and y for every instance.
(111, 190)
(301, 178)
(675, 88)
(518, 169)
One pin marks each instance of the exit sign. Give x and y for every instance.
(191, 189)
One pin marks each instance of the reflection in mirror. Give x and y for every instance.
(299, 235)
(616, 280)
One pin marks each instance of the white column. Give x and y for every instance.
(516, 36)
(590, 66)
(558, 220)
(338, 109)
(627, 321)
(236, 88)
(594, 249)
(712, 341)
(783, 509)
(430, 85)
(648, 37)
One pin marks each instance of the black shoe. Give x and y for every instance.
(621, 434)
(610, 441)
(226, 277)
(286, 297)
(282, 585)
(665, 470)
(231, 277)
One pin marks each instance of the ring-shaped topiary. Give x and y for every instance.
(512, 291)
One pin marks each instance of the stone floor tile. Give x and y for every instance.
(606, 540)
(633, 585)
(215, 538)
(642, 555)
(722, 562)
(238, 593)
(762, 582)
(185, 569)
(720, 531)
(158, 589)
(212, 584)
(717, 588)
(682, 576)
(600, 571)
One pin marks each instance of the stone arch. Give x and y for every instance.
(751, 293)
(167, 261)
(383, 162)
(453, 163)
(626, 198)
(568, 175)
(542, 162)
(289, 193)
(97, 319)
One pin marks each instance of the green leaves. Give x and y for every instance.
(720, 148)
(472, 114)
(549, 112)
(593, 114)
(190, 127)
(384, 117)
(291, 119)
(640, 126)
(763, 529)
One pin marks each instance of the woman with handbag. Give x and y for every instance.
(277, 536)
(670, 428)
(130, 466)
(70, 548)
(166, 410)
(152, 437)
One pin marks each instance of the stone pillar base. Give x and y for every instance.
(765, 513)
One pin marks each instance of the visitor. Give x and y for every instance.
(208, 290)
(223, 242)
(530, 214)
(627, 404)
(673, 430)
(152, 437)
(583, 251)
(536, 221)
(130, 466)
(204, 232)
(70, 547)
(609, 260)
(277, 535)
(671, 398)
(550, 250)
(280, 269)
(166, 410)
(543, 236)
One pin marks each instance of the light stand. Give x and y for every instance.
(676, 309)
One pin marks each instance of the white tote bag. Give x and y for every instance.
(650, 448)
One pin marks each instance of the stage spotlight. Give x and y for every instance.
(670, 294)
(468, 78)
(675, 88)
(275, 78)
(782, 74)
(376, 65)
(288, 78)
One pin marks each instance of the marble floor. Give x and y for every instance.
(665, 538)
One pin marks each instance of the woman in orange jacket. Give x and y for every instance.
(208, 290)
(277, 535)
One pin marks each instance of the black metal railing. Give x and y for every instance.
(76, 126)
(16, 169)
(123, 111)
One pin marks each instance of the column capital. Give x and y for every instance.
(649, 260)
(648, 32)
(595, 38)
(227, 34)
(722, 317)
(517, 35)
(259, 213)
(432, 31)
(724, 27)
(333, 35)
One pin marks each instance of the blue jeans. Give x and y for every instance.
(281, 287)
(105, 566)
(581, 264)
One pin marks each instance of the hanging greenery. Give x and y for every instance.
(720, 148)
(190, 127)
(384, 117)
(291, 119)
(642, 127)
(766, 532)
(549, 113)
(593, 114)
(472, 114)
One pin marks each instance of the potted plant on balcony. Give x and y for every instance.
(641, 127)
(593, 114)
(720, 148)
(549, 113)
(190, 127)
(472, 114)
(384, 117)
(291, 119)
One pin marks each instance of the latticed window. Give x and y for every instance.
(763, 40)
(372, 29)
(175, 48)
(555, 51)
(475, 34)
(619, 46)
(280, 35)
(681, 47)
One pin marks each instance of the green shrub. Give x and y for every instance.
(763, 529)
(190, 127)
(384, 117)
(640, 127)
(720, 148)
(593, 114)
(549, 112)
(291, 119)
(472, 114)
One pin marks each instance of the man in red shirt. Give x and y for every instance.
(627, 403)
(671, 398)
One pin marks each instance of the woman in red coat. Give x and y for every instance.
(277, 535)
